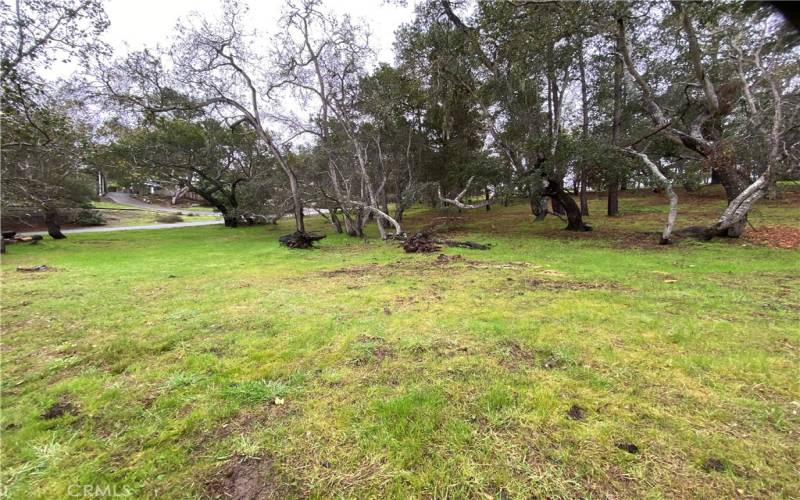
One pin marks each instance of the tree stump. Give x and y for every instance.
(300, 240)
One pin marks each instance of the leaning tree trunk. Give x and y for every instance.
(337, 224)
(574, 218)
(53, 227)
(558, 207)
(673, 198)
(734, 184)
(737, 210)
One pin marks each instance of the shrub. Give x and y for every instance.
(88, 217)
(169, 218)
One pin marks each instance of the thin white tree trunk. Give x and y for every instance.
(673, 198)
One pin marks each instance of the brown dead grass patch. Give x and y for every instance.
(419, 267)
(774, 236)
(549, 285)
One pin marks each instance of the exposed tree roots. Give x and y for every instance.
(300, 240)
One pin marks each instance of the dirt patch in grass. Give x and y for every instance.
(241, 423)
(360, 276)
(248, 478)
(515, 356)
(576, 413)
(629, 447)
(59, 409)
(371, 349)
(447, 348)
(541, 284)
(352, 271)
(774, 236)
(441, 260)
(713, 465)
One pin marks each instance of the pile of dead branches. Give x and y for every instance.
(420, 242)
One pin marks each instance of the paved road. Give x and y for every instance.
(127, 199)
(102, 229)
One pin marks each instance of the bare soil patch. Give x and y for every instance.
(713, 465)
(248, 478)
(515, 356)
(372, 349)
(419, 267)
(629, 447)
(774, 236)
(541, 284)
(59, 409)
(576, 413)
(245, 420)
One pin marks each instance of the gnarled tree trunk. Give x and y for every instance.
(574, 218)
(53, 227)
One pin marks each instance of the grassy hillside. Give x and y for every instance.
(210, 362)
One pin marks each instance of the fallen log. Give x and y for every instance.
(34, 269)
(463, 244)
(36, 238)
(424, 243)
(300, 240)
(28, 239)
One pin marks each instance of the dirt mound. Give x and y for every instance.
(774, 236)
(248, 478)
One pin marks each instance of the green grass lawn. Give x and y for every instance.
(119, 218)
(117, 215)
(209, 361)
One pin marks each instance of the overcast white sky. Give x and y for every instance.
(136, 23)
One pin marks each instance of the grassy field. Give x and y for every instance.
(211, 362)
(123, 215)
(122, 218)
